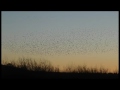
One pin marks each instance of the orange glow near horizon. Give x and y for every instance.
(106, 60)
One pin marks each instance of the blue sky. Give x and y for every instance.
(36, 20)
(60, 32)
(58, 22)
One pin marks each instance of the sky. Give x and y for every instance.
(62, 37)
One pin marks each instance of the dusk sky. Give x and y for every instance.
(62, 37)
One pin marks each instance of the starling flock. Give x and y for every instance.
(68, 42)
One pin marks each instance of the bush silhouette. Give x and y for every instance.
(26, 67)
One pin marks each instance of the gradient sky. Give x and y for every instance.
(62, 37)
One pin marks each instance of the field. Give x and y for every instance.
(28, 68)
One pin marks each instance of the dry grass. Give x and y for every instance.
(46, 66)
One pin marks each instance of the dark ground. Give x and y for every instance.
(12, 72)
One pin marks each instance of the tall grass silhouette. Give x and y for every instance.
(46, 66)
(27, 66)
(32, 65)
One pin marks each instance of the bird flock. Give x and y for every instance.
(63, 42)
